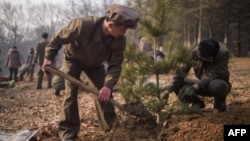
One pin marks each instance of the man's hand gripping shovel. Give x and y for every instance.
(103, 124)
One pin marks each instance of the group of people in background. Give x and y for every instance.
(18, 71)
(13, 63)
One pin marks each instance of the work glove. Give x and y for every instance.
(104, 94)
(187, 94)
(46, 62)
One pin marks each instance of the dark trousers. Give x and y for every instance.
(30, 74)
(69, 124)
(40, 79)
(13, 73)
(219, 89)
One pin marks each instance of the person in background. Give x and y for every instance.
(58, 83)
(13, 62)
(88, 42)
(28, 67)
(1, 70)
(38, 58)
(210, 64)
(145, 45)
(24, 69)
(29, 62)
(158, 54)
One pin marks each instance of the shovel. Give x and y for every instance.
(133, 109)
(103, 124)
(80, 84)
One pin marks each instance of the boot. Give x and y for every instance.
(199, 104)
(57, 92)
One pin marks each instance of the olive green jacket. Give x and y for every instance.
(39, 52)
(83, 41)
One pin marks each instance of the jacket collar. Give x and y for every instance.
(98, 31)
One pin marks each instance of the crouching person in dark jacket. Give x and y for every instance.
(24, 69)
(210, 64)
(58, 83)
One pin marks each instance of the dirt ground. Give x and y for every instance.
(25, 108)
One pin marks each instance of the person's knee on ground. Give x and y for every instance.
(219, 89)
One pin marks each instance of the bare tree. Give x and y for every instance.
(15, 23)
(200, 21)
(47, 17)
(14, 26)
(79, 8)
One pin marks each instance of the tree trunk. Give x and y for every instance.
(200, 22)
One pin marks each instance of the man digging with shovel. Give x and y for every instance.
(89, 41)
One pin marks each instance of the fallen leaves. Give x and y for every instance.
(25, 108)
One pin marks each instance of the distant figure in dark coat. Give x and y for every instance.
(39, 57)
(29, 62)
(13, 62)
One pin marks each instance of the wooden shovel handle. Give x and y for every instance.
(80, 84)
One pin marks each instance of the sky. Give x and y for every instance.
(35, 1)
(47, 1)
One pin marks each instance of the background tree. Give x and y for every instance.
(224, 20)
(240, 21)
(15, 24)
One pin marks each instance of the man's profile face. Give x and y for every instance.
(117, 30)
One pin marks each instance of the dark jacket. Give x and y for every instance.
(30, 57)
(13, 59)
(204, 71)
(83, 42)
(40, 51)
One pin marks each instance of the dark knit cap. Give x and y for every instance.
(208, 48)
